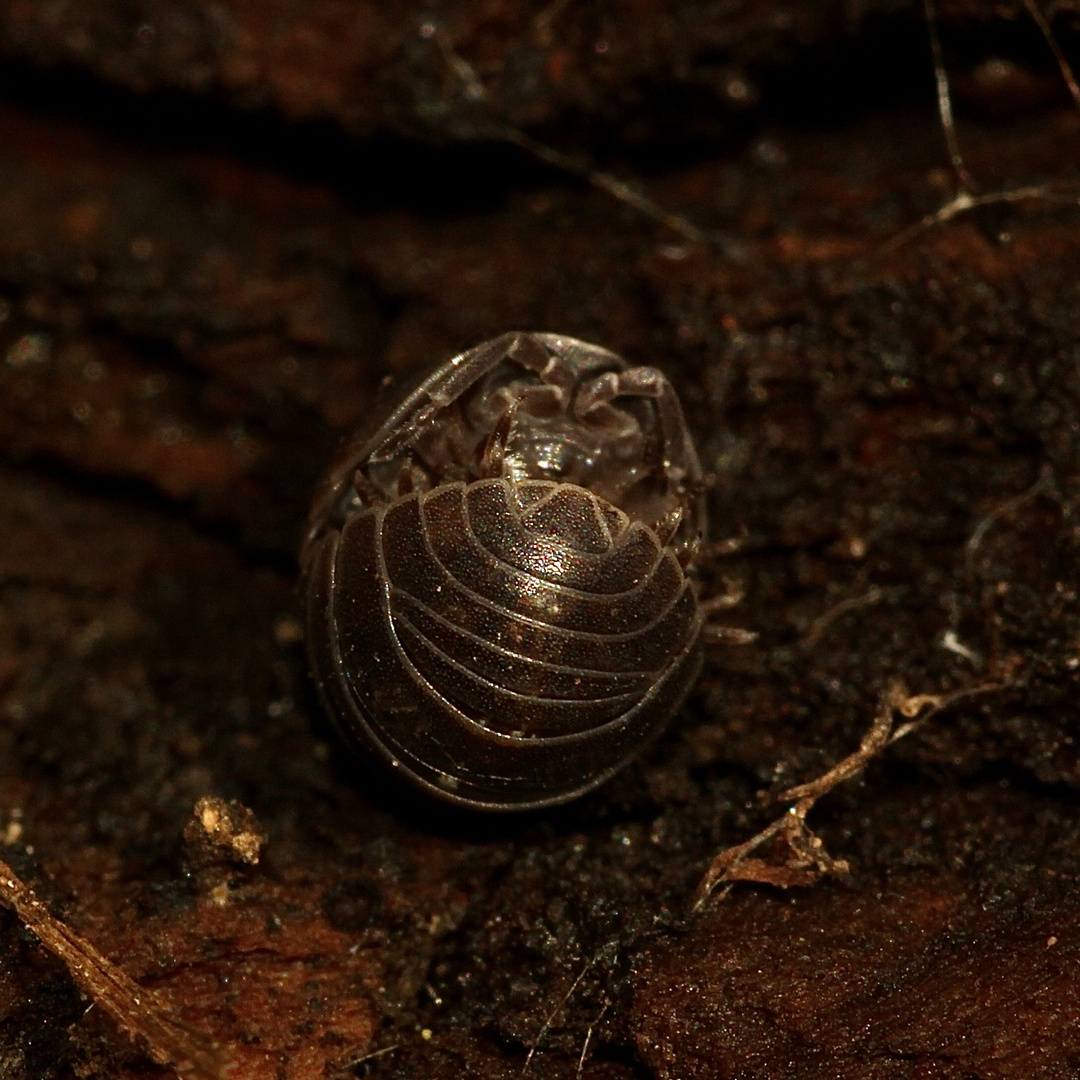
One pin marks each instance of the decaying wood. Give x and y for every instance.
(141, 1013)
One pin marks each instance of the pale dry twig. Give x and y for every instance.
(804, 857)
(138, 1011)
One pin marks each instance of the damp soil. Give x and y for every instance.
(221, 230)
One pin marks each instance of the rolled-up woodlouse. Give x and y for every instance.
(498, 604)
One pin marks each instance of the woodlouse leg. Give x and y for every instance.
(732, 595)
(413, 475)
(364, 488)
(667, 527)
(405, 479)
(715, 633)
(594, 402)
(542, 400)
(553, 369)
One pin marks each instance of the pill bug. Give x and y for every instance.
(495, 572)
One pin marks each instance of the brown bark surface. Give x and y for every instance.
(197, 300)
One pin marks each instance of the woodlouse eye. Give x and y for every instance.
(497, 603)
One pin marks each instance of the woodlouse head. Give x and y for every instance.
(495, 571)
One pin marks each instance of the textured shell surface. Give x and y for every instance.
(496, 573)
